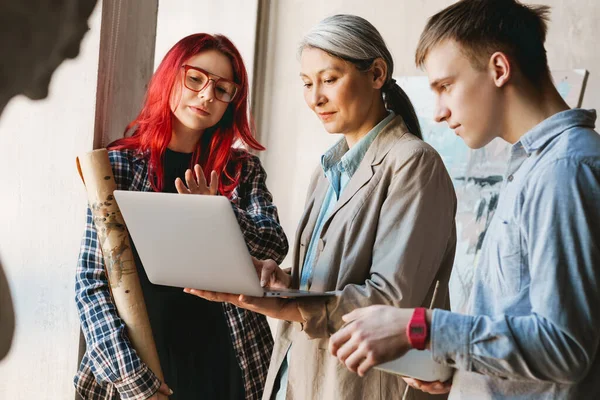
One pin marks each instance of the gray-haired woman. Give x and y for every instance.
(378, 225)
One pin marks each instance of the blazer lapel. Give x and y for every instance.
(361, 177)
(374, 156)
(306, 225)
(309, 218)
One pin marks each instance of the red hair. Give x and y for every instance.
(153, 125)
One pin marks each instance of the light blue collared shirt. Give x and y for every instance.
(534, 326)
(339, 165)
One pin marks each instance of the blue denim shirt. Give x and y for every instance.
(534, 326)
(339, 164)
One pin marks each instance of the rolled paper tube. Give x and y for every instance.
(97, 175)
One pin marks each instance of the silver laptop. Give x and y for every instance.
(193, 241)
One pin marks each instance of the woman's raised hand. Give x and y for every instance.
(197, 184)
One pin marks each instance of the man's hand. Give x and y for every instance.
(436, 387)
(373, 335)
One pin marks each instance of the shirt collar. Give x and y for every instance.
(140, 155)
(347, 160)
(551, 127)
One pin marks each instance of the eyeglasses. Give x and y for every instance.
(197, 79)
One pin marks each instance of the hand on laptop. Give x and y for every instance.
(197, 184)
(271, 275)
(372, 335)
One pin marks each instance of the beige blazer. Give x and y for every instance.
(389, 238)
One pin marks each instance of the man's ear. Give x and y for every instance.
(379, 71)
(500, 68)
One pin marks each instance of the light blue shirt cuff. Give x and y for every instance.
(450, 339)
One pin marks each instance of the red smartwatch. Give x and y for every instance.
(416, 330)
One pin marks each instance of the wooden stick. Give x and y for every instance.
(97, 175)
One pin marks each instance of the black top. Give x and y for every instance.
(191, 334)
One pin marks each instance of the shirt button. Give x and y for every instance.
(510, 178)
(321, 245)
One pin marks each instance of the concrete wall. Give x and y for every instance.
(295, 138)
(126, 64)
(235, 19)
(42, 214)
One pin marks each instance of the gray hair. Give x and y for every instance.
(351, 38)
(356, 40)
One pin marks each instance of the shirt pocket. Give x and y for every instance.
(507, 243)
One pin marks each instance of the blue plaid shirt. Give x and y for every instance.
(110, 368)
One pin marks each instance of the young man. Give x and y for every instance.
(534, 326)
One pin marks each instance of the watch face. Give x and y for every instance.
(417, 330)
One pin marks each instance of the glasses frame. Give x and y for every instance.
(187, 67)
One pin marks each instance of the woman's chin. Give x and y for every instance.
(331, 128)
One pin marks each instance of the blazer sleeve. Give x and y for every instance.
(413, 237)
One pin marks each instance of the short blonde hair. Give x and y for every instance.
(482, 27)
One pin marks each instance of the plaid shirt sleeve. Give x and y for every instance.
(257, 215)
(258, 219)
(109, 354)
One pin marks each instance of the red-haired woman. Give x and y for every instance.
(194, 116)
